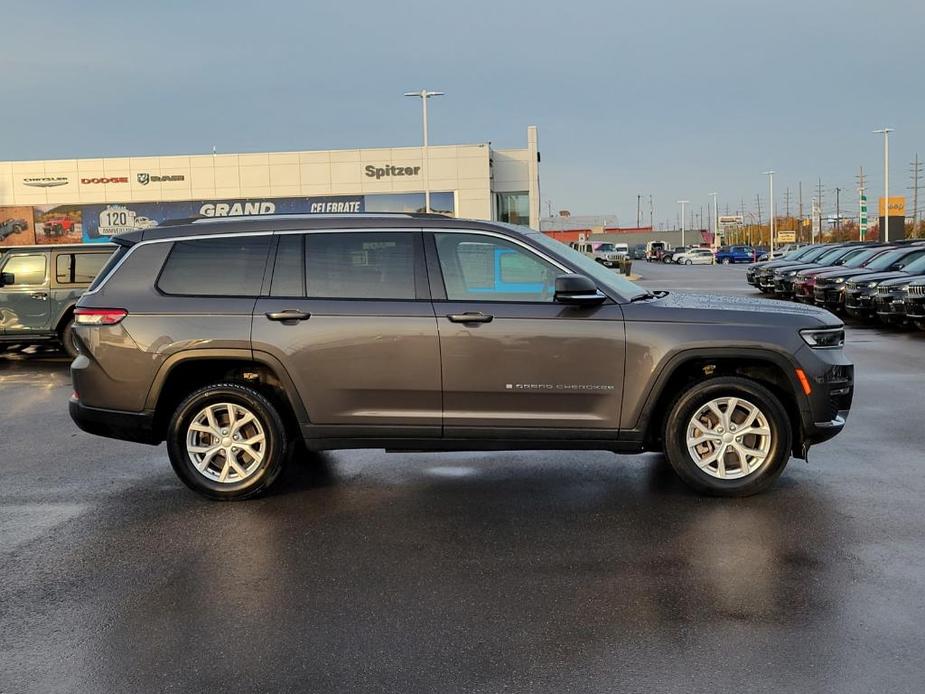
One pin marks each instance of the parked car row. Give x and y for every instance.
(882, 282)
(697, 255)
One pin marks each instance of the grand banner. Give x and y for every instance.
(23, 225)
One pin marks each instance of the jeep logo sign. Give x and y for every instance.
(378, 172)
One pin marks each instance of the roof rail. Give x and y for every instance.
(409, 215)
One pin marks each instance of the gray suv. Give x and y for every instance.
(240, 340)
(39, 287)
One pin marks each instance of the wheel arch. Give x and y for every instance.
(774, 370)
(185, 371)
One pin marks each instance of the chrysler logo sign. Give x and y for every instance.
(146, 178)
(45, 181)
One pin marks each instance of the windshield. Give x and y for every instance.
(830, 256)
(887, 259)
(863, 257)
(605, 247)
(601, 275)
(916, 267)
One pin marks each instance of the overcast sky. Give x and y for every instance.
(674, 99)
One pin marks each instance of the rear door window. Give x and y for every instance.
(79, 268)
(231, 267)
(289, 267)
(361, 265)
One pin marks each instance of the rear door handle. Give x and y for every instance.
(290, 315)
(470, 317)
(41, 296)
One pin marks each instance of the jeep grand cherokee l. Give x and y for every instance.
(235, 340)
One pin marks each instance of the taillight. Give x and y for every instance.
(99, 316)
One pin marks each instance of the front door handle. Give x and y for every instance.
(290, 315)
(470, 317)
(41, 296)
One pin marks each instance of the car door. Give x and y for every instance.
(24, 302)
(513, 358)
(348, 314)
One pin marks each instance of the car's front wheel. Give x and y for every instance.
(227, 441)
(726, 261)
(728, 436)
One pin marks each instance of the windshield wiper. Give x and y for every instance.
(658, 294)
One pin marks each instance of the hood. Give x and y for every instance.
(903, 280)
(712, 308)
(847, 272)
(878, 276)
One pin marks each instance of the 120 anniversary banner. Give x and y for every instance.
(25, 225)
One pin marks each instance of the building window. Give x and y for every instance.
(513, 208)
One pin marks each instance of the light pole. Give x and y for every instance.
(424, 95)
(682, 203)
(886, 182)
(715, 220)
(770, 175)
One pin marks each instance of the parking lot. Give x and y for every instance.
(483, 572)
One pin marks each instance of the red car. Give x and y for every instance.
(58, 226)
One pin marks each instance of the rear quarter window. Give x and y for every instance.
(215, 267)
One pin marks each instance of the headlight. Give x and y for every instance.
(826, 338)
(791, 273)
(838, 280)
(872, 284)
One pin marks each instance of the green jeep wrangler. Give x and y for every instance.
(39, 286)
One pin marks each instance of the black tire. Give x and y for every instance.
(726, 261)
(688, 262)
(266, 413)
(67, 339)
(684, 409)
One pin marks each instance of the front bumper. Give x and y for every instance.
(783, 286)
(832, 381)
(860, 301)
(890, 307)
(114, 424)
(915, 308)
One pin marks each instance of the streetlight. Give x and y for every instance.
(424, 95)
(682, 203)
(770, 175)
(715, 221)
(886, 181)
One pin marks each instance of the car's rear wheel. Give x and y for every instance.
(227, 442)
(688, 262)
(728, 436)
(726, 261)
(68, 342)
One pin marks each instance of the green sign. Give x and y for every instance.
(863, 217)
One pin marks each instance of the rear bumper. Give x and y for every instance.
(114, 424)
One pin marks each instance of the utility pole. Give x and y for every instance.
(638, 210)
(819, 204)
(651, 212)
(862, 206)
(800, 235)
(787, 203)
(837, 209)
(683, 204)
(916, 172)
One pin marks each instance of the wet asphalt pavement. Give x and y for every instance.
(516, 572)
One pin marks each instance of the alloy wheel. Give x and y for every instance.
(226, 442)
(729, 438)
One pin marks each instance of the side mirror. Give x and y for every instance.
(7, 278)
(577, 290)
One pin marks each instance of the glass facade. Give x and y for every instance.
(513, 208)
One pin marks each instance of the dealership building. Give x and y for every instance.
(89, 200)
